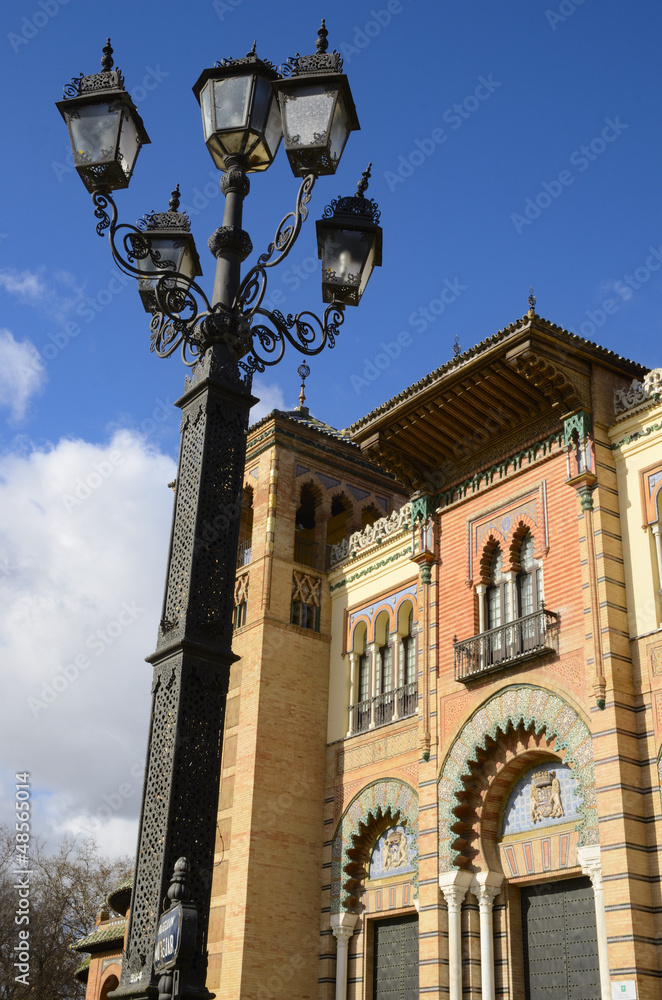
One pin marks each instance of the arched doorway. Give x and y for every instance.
(518, 824)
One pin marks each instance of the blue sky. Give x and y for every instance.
(512, 144)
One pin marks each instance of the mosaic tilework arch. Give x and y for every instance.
(370, 804)
(532, 706)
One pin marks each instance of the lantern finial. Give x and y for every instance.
(321, 43)
(173, 204)
(107, 58)
(363, 183)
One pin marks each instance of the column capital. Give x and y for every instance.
(486, 886)
(591, 863)
(343, 924)
(454, 886)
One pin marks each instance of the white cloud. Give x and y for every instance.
(25, 284)
(22, 373)
(81, 582)
(270, 395)
(56, 296)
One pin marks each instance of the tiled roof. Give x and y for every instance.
(83, 970)
(461, 359)
(103, 936)
(307, 421)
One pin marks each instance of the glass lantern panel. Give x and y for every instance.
(205, 107)
(345, 256)
(231, 102)
(264, 95)
(339, 131)
(93, 131)
(168, 250)
(307, 116)
(129, 144)
(274, 130)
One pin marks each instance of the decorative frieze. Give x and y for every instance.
(374, 534)
(638, 392)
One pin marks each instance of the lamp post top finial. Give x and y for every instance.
(173, 204)
(321, 43)
(107, 57)
(363, 183)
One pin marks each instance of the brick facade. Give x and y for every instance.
(449, 685)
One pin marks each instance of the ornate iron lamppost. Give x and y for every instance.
(224, 340)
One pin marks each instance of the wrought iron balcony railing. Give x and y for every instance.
(244, 553)
(310, 553)
(522, 639)
(383, 708)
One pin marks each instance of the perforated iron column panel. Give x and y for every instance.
(560, 941)
(191, 670)
(395, 959)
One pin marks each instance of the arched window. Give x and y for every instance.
(529, 579)
(304, 535)
(497, 597)
(409, 691)
(245, 528)
(336, 526)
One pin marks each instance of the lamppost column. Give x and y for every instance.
(230, 244)
(191, 669)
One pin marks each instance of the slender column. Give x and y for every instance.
(353, 687)
(342, 925)
(454, 886)
(373, 651)
(396, 657)
(480, 593)
(657, 535)
(486, 886)
(591, 864)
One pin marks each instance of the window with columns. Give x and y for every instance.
(383, 683)
(512, 620)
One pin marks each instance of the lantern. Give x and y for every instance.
(105, 129)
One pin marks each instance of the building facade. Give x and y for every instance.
(442, 755)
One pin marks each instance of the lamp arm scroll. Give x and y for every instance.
(305, 331)
(252, 289)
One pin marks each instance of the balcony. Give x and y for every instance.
(310, 553)
(383, 706)
(507, 645)
(244, 553)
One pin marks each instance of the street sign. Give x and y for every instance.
(168, 934)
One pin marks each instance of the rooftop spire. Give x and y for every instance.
(303, 372)
(532, 302)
